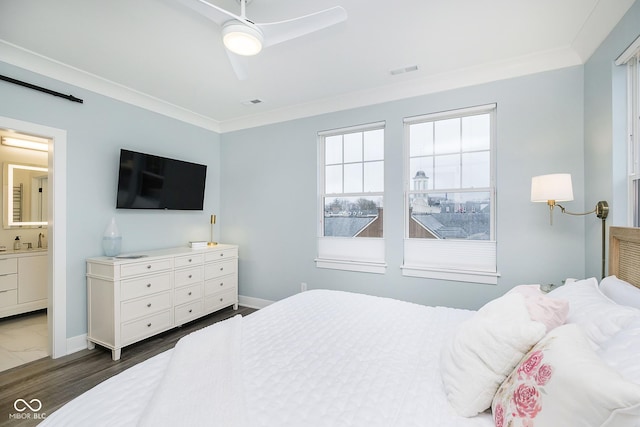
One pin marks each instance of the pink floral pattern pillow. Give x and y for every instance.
(527, 386)
(543, 389)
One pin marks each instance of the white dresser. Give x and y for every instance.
(23, 281)
(131, 298)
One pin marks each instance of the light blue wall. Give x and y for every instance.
(269, 193)
(96, 130)
(605, 133)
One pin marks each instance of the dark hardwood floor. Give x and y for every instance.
(54, 382)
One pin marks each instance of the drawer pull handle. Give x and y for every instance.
(149, 267)
(221, 299)
(149, 305)
(189, 259)
(190, 276)
(148, 325)
(148, 285)
(221, 268)
(191, 310)
(221, 283)
(189, 293)
(221, 254)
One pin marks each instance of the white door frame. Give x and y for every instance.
(57, 229)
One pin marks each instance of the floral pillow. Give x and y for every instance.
(562, 382)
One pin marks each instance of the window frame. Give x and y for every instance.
(633, 127)
(363, 254)
(436, 258)
(631, 58)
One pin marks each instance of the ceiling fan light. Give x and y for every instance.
(242, 39)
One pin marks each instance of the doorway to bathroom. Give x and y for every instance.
(55, 236)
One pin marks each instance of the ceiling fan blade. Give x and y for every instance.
(240, 65)
(211, 11)
(278, 32)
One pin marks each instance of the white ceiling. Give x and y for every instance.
(163, 56)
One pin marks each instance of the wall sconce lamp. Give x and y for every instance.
(213, 221)
(557, 187)
(40, 144)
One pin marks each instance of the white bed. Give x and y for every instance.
(336, 359)
(329, 358)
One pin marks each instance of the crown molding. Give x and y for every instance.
(516, 67)
(40, 64)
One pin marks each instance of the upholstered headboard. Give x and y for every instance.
(624, 254)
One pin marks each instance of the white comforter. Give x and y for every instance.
(204, 363)
(319, 358)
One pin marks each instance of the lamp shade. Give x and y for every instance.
(555, 186)
(241, 39)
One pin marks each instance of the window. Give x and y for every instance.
(351, 190)
(634, 144)
(631, 57)
(450, 195)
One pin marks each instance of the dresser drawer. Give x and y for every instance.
(146, 327)
(144, 306)
(147, 285)
(8, 298)
(187, 294)
(221, 254)
(188, 260)
(145, 267)
(8, 281)
(188, 276)
(220, 284)
(224, 299)
(188, 312)
(217, 269)
(8, 265)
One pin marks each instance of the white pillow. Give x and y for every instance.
(562, 382)
(622, 351)
(484, 350)
(620, 291)
(599, 317)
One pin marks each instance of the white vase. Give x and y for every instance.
(112, 239)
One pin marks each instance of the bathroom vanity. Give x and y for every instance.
(23, 281)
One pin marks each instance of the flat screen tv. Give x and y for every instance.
(146, 181)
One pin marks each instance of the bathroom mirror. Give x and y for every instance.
(25, 196)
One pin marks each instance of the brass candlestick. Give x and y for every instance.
(213, 221)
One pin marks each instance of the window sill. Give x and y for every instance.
(359, 266)
(482, 277)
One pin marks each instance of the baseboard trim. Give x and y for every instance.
(251, 302)
(77, 343)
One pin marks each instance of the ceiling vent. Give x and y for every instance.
(252, 102)
(404, 70)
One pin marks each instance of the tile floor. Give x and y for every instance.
(23, 339)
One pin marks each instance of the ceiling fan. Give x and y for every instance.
(243, 37)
